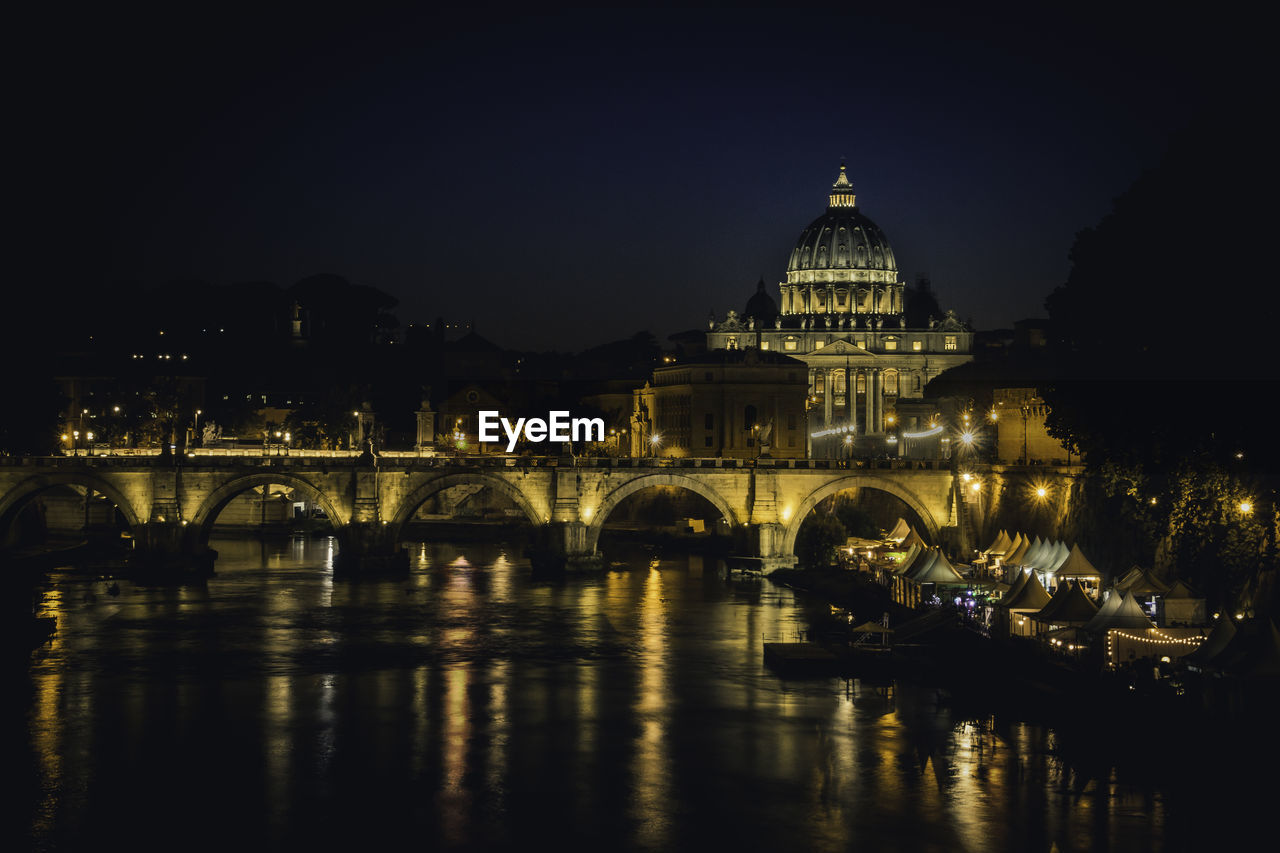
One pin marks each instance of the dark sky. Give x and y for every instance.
(572, 177)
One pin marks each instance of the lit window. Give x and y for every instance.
(890, 344)
(820, 345)
(916, 346)
(862, 344)
(949, 342)
(891, 383)
(764, 345)
(789, 345)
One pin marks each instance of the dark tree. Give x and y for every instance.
(1165, 359)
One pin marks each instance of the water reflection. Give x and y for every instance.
(468, 705)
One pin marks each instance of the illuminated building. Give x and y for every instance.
(843, 313)
(732, 404)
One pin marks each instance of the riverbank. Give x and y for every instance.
(1105, 716)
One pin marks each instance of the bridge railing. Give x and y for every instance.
(413, 460)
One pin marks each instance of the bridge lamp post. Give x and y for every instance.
(75, 442)
(655, 441)
(89, 442)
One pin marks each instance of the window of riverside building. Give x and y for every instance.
(707, 441)
(891, 383)
(791, 421)
(862, 383)
(708, 421)
(789, 344)
(949, 342)
(916, 346)
(764, 345)
(709, 376)
(890, 344)
(819, 344)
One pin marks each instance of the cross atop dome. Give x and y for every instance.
(842, 191)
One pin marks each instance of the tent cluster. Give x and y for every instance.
(922, 565)
(1050, 558)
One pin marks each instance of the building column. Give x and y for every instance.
(851, 397)
(869, 410)
(873, 401)
(828, 397)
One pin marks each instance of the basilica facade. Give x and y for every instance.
(843, 313)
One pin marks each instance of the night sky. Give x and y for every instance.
(568, 178)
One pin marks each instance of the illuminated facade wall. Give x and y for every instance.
(729, 404)
(1021, 436)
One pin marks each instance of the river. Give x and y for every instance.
(469, 706)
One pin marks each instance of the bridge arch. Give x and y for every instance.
(17, 498)
(625, 490)
(218, 499)
(409, 504)
(864, 481)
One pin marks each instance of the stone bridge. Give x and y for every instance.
(171, 503)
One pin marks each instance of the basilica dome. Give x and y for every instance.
(842, 245)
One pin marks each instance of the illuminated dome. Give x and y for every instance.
(842, 263)
(842, 245)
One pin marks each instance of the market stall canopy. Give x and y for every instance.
(913, 556)
(1032, 554)
(913, 538)
(1015, 557)
(939, 570)
(1077, 566)
(922, 565)
(1016, 587)
(1127, 614)
(1059, 556)
(900, 531)
(1032, 597)
(1140, 582)
(1219, 638)
(1180, 589)
(1070, 605)
(1000, 546)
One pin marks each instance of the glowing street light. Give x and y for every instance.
(1246, 507)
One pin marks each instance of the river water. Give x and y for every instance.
(472, 707)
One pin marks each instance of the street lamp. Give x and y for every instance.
(654, 441)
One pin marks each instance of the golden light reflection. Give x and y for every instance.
(651, 759)
(500, 726)
(278, 723)
(457, 733)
